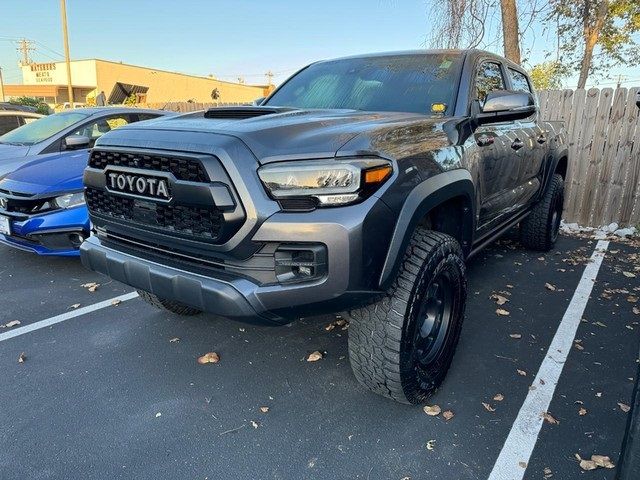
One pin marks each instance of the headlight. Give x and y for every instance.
(70, 200)
(330, 182)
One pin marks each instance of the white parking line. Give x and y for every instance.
(65, 316)
(517, 449)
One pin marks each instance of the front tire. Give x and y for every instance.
(164, 304)
(402, 346)
(539, 231)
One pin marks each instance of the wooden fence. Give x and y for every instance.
(603, 178)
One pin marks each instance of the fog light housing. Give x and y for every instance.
(300, 262)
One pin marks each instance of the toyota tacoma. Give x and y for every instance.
(360, 185)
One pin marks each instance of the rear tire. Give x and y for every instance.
(402, 345)
(539, 231)
(164, 304)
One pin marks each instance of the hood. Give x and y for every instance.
(44, 174)
(273, 132)
(12, 151)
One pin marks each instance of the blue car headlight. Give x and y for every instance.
(70, 200)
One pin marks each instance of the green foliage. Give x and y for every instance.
(610, 24)
(548, 75)
(41, 107)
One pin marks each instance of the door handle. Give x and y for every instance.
(517, 144)
(541, 139)
(484, 140)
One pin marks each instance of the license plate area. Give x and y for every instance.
(5, 226)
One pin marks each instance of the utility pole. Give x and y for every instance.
(1, 87)
(25, 46)
(269, 75)
(65, 35)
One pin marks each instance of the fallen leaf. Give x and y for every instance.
(509, 286)
(314, 356)
(587, 465)
(211, 357)
(624, 407)
(632, 299)
(549, 418)
(629, 274)
(602, 461)
(93, 289)
(264, 409)
(578, 346)
(522, 373)
(599, 324)
(515, 335)
(447, 415)
(75, 305)
(158, 414)
(522, 464)
(116, 302)
(549, 286)
(500, 300)
(174, 340)
(431, 444)
(498, 397)
(254, 424)
(10, 324)
(432, 410)
(502, 312)
(488, 407)
(582, 412)
(547, 472)
(636, 310)
(22, 357)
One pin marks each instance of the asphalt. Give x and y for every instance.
(110, 395)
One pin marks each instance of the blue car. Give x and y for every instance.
(42, 207)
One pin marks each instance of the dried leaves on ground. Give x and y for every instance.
(432, 410)
(211, 357)
(22, 357)
(12, 323)
(597, 461)
(550, 418)
(92, 286)
(488, 407)
(315, 356)
(502, 312)
(624, 407)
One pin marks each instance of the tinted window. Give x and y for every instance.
(411, 83)
(489, 78)
(42, 129)
(95, 130)
(519, 81)
(8, 123)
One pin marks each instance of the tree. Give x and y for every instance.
(547, 75)
(510, 33)
(607, 25)
(40, 106)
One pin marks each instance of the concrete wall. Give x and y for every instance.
(167, 86)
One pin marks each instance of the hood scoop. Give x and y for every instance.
(241, 113)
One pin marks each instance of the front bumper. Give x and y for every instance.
(55, 233)
(353, 259)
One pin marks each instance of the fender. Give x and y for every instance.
(552, 165)
(423, 198)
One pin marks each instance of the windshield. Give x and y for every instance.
(41, 129)
(400, 83)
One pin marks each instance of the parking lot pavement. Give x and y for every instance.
(110, 395)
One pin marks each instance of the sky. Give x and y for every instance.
(230, 38)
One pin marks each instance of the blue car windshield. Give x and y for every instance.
(42, 129)
(421, 83)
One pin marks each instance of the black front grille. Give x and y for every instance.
(188, 169)
(204, 223)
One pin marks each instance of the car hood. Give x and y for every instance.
(44, 174)
(12, 151)
(279, 134)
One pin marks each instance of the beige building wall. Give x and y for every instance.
(162, 86)
(168, 86)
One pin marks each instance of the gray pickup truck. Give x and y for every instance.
(360, 185)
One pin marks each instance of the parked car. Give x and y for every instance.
(360, 185)
(42, 207)
(10, 120)
(17, 107)
(70, 130)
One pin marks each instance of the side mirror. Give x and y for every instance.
(75, 142)
(504, 105)
(258, 101)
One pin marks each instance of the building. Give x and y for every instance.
(120, 82)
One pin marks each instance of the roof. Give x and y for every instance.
(21, 113)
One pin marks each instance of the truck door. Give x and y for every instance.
(497, 145)
(531, 157)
